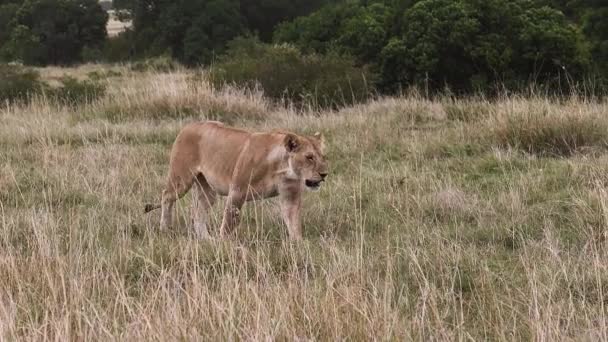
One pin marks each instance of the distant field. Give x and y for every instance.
(440, 220)
(114, 26)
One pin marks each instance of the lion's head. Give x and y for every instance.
(306, 159)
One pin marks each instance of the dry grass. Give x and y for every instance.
(539, 127)
(440, 221)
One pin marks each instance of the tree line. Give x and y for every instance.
(41, 32)
(462, 44)
(465, 44)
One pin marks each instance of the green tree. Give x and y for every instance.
(470, 44)
(8, 10)
(595, 27)
(437, 34)
(319, 31)
(193, 31)
(23, 45)
(366, 33)
(394, 68)
(466, 44)
(55, 31)
(263, 15)
(548, 43)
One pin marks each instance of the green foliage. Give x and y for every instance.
(18, 84)
(546, 36)
(263, 16)
(596, 28)
(7, 12)
(317, 32)
(212, 30)
(436, 34)
(22, 45)
(365, 34)
(91, 54)
(467, 45)
(287, 74)
(392, 65)
(464, 44)
(119, 48)
(44, 32)
(194, 31)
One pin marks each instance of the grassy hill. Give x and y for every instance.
(444, 219)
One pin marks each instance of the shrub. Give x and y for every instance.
(285, 73)
(18, 83)
(91, 54)
(74, 92)
(119, 48)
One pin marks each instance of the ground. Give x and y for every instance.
(440, 219)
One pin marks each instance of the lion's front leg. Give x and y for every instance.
(232, 212)
(291, 202)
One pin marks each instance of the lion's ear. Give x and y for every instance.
(291, 142)
(321, 138)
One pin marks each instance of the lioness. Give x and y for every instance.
(217, 160)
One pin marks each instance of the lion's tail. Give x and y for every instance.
(149, 207)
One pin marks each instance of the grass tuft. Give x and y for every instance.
(548, 130)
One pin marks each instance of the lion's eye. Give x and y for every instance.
(310, 157)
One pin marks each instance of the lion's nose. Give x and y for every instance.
(323, 175)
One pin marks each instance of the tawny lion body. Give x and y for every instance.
(213, 160)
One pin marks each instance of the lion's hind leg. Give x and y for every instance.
(203, 198)
(177, 187)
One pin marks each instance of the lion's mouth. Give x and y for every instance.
(313, 184)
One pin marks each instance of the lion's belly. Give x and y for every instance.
(218, 185)
(221, 186)
(254, 192)
(262, 193)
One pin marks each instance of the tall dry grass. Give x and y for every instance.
(440, 220)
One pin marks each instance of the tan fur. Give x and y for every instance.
(213, 160)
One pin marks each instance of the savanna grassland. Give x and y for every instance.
(441, 219)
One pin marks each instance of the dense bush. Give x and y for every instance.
(18, 84)
(595, 26)
(285, 73)
(119, 48)
(524, 44)
(194, 31)
(320, 31)
(464, 44)
(44, 32)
